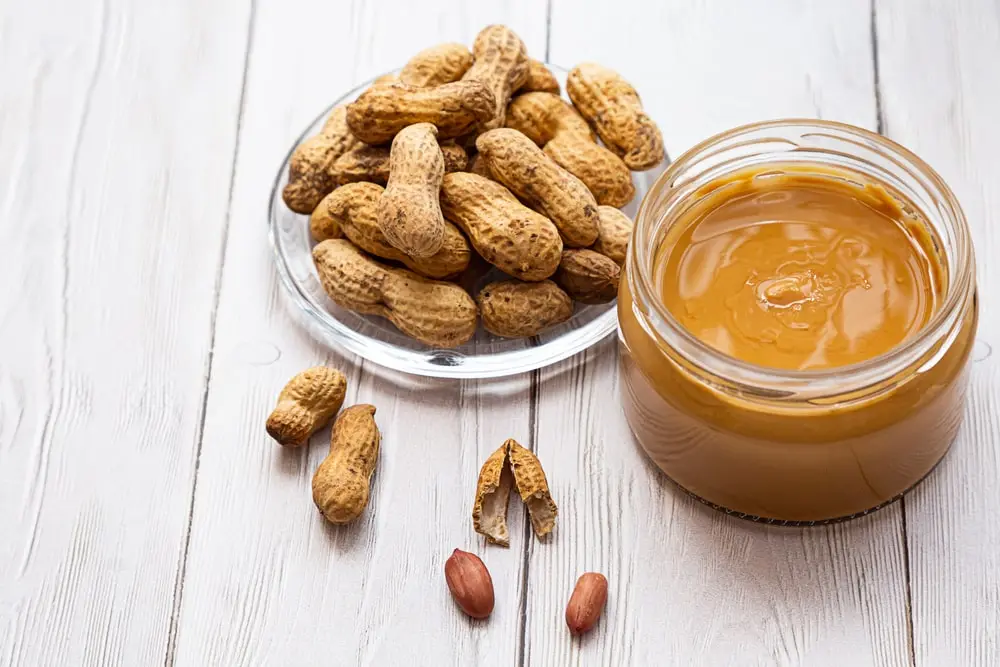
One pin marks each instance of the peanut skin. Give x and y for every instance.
(436, 313)
(340, 485)
(436, 65)
(353, 211)
(371, 163)
(503, 231)
(501, 62)
(309, 178)
(553, 123)
(614, 230)
(588, 276)
(513, 309)
(611, 103)
(519, 164)
(306, 404)
(409, 211)
(587, 602)
(470, 583)
(539, 79)
(456, 109)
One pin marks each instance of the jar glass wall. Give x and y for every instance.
(785, 445)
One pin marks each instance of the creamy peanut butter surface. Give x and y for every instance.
(794, 268)
(800, 272)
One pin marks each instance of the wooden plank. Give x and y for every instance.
(689, 585)
(941, 98)
(268, 581)
(117, 138)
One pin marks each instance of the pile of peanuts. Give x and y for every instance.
(470, 153)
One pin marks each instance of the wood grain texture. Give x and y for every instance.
(268, 582)
(941, 98)
(117, 132)
(689, 585)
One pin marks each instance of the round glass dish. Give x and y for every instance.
(789, 446)
(377, 340)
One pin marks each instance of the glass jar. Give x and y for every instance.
(796, 446)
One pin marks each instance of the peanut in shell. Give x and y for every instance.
(436, 313)
(519, 164)
(353, 210)
(515, 309)
(409, 211)
(505, 232)
(610, 102)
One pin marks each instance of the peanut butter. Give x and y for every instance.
(799, 271)
(792, 268)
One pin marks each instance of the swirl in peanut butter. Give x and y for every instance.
(799, 271)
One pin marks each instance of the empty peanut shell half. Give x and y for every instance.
(489, 513)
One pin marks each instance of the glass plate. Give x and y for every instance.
(377, 340)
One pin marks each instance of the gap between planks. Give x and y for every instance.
(178, 596)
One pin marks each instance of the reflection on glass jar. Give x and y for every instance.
(796, 318)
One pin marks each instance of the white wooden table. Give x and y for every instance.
(147, 519)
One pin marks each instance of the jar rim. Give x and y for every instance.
(839, 378)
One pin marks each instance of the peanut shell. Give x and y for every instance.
(455, 108)
(409, 211)
(541, 116)
(529, 478)
(478, 167)
(611, 103)
(340, 485)
(309, 178)
(436, 65)
(503, 231)
(489, 512)
(306, 404)
(353, 210)
(371, 163)
(553, 123)
(501, 62)
(588, 276)
(614, 230)
(519, 164)
(540, 79)
(436, 313)
(603, 172)
(514, 309)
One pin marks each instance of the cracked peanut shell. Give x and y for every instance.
(515, 309)
(436, 313)
(352, 210)
(611, 103)
(505, 232)
(489, 512)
